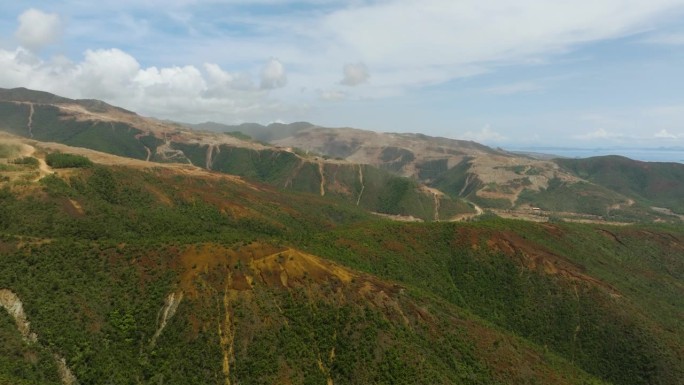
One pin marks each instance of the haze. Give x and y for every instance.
(536, 73)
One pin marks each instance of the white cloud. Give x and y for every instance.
(514, 88)
(447, 36)
(408, 44)
(170, 82)
(38, 29)
(486, 134)
(220, 79)
(273, 75)
(182, 93)
(599, 133)
(354, 74)
(664, 134)
(106, 74)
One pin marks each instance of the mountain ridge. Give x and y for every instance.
(409, 175)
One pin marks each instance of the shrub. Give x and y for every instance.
(59, 160)
(27, 160)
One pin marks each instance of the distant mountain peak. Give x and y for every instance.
(25, 95)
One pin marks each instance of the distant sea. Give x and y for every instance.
(669, 154)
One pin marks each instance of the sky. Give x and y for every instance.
(524, 73)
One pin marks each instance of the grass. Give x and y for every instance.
(8, 150)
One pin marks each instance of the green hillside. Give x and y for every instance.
(24, 113)
(273, 131)
(655, 184)
(50, 126)
(164, 277)
(25, 95)
(371, 188)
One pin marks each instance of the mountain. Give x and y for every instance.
(273, 131)
(654, 184)
(410, 155)
(46, 117)
(120, 270)
(405, 176)
(509, 184)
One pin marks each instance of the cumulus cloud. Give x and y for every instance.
(408, 44)
(354, 74)
(224, 80)
(182, 93)
(273, 75)
(106, 73)
(486, 134)
(38, 29)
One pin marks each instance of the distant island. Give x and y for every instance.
(647, 154)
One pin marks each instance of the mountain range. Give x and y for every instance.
(411, 176)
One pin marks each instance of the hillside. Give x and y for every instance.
(164, 273)
(98, 126)
(408, 177)
(411, 155)
(654, 184)
(508, 184)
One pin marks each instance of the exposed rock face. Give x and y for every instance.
(13, 305)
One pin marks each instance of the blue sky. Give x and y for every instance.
(536, 73)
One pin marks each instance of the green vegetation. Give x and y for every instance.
(59, 160)
(27, 161)
(49, 125)
(151, 142)
(583, 197)
(282, 285)
(496, 203)
(14, 118)
(258, 132)
(654, 184)
(390, 194)
(239, 135)
(395, 158)
(382, 191)
(432, 169)
(440, 303)
(25, 95)
(8, 167)
(574, 318)
(458, 182)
